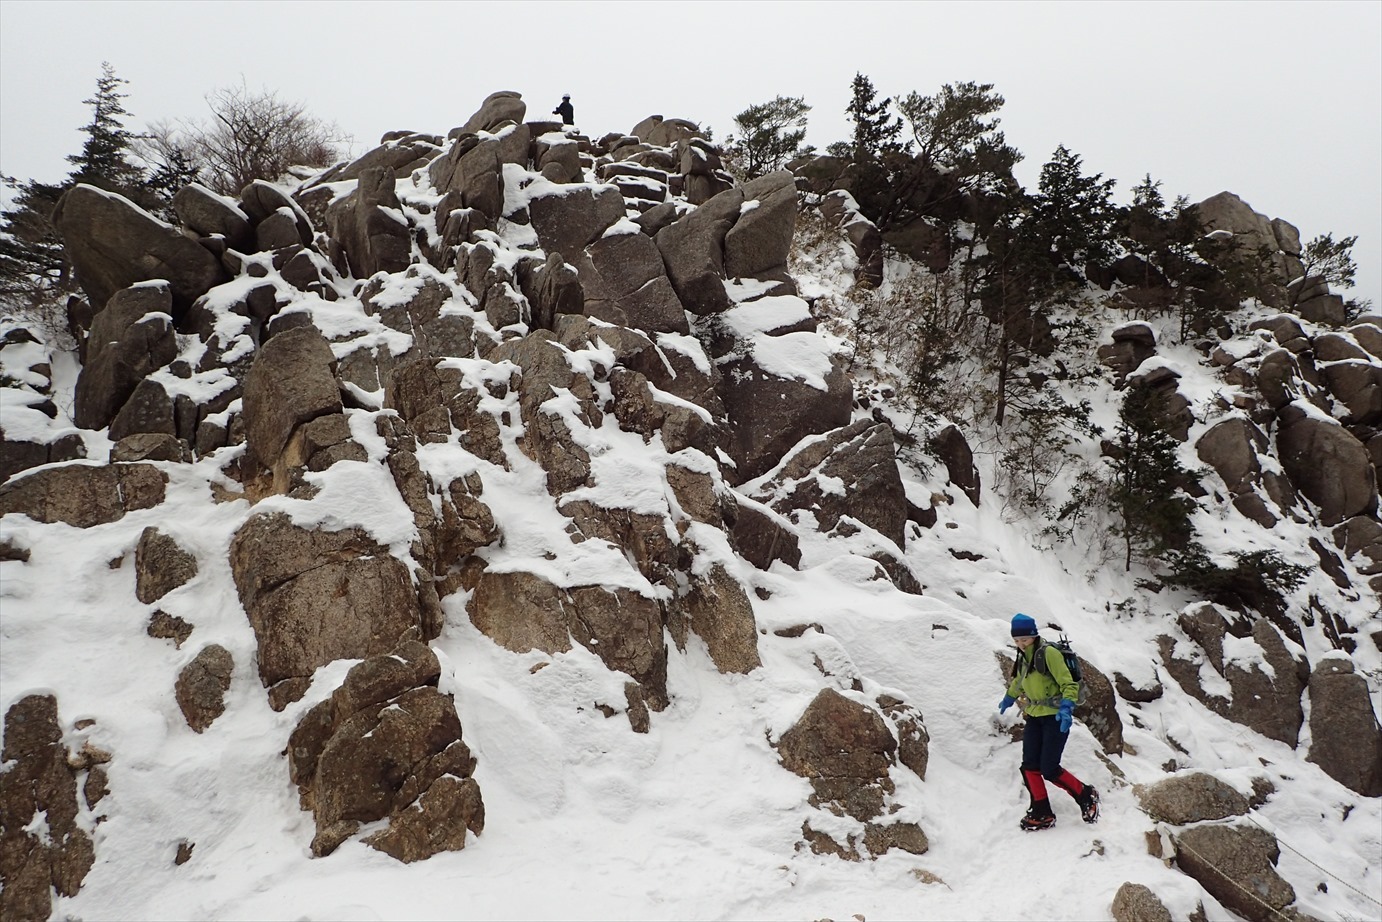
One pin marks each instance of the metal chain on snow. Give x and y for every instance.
(1309, 862)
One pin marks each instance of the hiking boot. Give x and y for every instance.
(1037, 818)
(1089, 804)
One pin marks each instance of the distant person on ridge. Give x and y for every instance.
(567, 113)
(1047, 698)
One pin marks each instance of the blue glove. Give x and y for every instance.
(1067, 714)
(1007, 702)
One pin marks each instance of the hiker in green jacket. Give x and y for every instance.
(1047, 697)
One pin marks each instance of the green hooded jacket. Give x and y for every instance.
(1042, 691)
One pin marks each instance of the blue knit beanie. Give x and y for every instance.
(1024, 626)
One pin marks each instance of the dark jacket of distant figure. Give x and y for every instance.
(567, 113)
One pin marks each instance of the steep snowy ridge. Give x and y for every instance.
(488, 427)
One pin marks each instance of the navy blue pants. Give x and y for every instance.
(1042, 746)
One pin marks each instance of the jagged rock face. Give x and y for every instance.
(861, 459)
(1236, 865)
(316, 596)
(761, 536)
(160, 566)
(1346, 740)
(201, 686)
(42, 848)
(719, 611)
(1190, 798)
(1327, 464)
(114, 244)
(1267, 701)
(844, 748)
(573, 217)
(83, 496)
(387, 745)
(124, 346)
(1137, 903)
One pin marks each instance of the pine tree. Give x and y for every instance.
(876, 130)
(1073, 214)
(768, 134)
(104, 158)
(1154, 512)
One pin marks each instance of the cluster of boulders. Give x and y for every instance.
(1266, 674)
(1198, 827)
(846, 749)
(515, 290)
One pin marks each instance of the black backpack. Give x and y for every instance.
(1072, 663)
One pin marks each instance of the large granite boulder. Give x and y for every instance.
(291, 382)
(114, 243)
(473, 167)
(1327, 463)
(769, 414)
(132, 337)
(844, 749)
(1268, 699)
(314, 597)
(387, 746)
(568, 218)
(42, 846)
(499, 107)
(1237, 866)
(83, 495)
(1137, 903)
(1191, 797)
(1231, 447)
(1345, 739)
(693, 249)
(211, 215)
(626, 283)
(370, 227)
(718, 610)
(522, 612)
(953, 449)
(758, 243)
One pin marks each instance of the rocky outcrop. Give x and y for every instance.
(317, 596)
(387, 746)
(83, 495)
(844, 749)
(129, 340)
(1346, 740)
(1137, 903)
(719, 611)
(202, 685)
(114, 244)
(291, 382)
(160, 565)
(42, 847)
(1326, 463)
(211, 215)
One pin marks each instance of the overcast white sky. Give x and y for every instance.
(1280, 102)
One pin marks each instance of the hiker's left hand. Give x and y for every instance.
(1067, 714)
